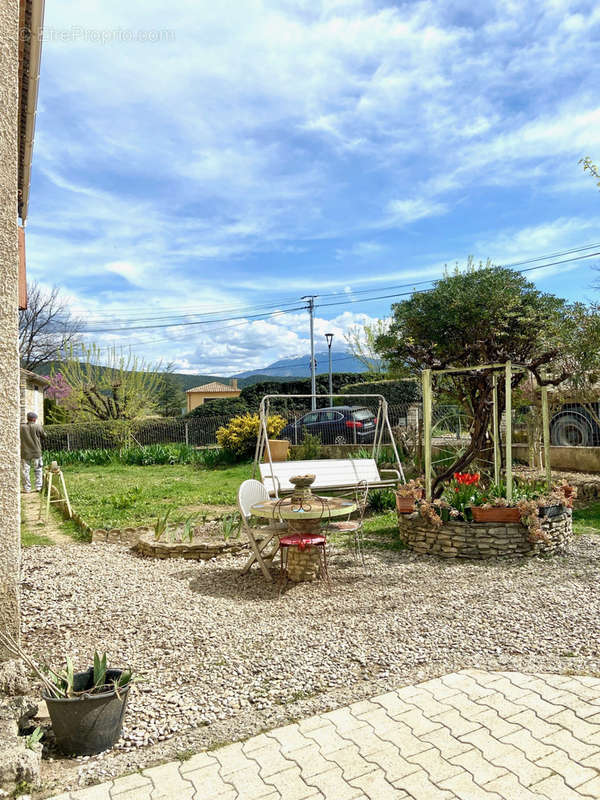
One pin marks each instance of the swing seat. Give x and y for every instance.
(331, 474)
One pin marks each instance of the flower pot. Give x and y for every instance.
(89, 723)
(279, 450)
(551, 511)
(495, 514)
(406, 505)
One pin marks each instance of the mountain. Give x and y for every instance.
(341, 361)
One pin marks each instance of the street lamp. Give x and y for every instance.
(329, 337)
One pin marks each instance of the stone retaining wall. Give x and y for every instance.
(200, 550)
(482, 539)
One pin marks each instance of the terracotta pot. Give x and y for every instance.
(279, 450)
(405, 505)
(495, 514)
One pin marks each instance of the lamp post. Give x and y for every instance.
(329, 337)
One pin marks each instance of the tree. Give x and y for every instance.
(46, 327)
(593, 169)
(170, 397)
(124, 388)
(490, 315)
(361, 341)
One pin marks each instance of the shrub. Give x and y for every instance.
(240, 435)
(309, 450)
(219, 408)
(382, 499)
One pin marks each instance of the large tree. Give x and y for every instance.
(490, 315)
(110, 385)
(47, 329)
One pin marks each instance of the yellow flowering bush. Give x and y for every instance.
(240, 434)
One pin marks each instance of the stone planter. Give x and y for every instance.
(457, 539)
(495, 514)
(279, 450)
(197, 549)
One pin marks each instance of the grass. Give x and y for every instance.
(31, 539)
(380, 533)
(117, 495)
(587, 520)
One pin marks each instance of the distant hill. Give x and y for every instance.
(284, 369)
(299, 367)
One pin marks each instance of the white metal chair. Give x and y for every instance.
(249, 493)
(355, 526)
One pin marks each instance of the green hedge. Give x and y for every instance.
(395, 392)
(252, 395)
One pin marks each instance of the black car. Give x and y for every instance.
(339, 425)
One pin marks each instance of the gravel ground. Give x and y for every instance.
(224, 656)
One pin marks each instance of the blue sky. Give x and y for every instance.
(197, 157)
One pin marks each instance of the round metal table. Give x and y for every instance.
(303, 515)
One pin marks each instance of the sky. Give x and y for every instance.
(212, 163)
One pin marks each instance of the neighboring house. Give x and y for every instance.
(20, 50)
(211, 391)
(32, 394)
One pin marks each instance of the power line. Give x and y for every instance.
(348, 299)
(289, 300)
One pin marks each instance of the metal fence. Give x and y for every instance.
(202, 431)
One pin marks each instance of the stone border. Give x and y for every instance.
(482, 539)
(201, 550)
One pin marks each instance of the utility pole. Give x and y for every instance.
(329, 337)
(313, 378)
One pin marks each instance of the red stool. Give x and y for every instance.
(302, 541)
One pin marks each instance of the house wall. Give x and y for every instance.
(9, 356)
(195, 399)
(32, 399)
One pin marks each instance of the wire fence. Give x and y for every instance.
(570, 425)
(331, 427)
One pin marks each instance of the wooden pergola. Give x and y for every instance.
(509, 369)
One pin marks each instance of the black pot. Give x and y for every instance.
(551, 511)
(89, 723)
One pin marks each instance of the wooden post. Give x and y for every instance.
(508, 434)
(546, 435)
(426, 382)
(187, 436)
(496, 429)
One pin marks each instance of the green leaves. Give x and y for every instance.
(160, 525)
(99, 669)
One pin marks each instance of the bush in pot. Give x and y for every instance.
(87, 708)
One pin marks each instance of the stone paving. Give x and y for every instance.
(471, 735)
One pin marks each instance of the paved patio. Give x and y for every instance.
(471, 735)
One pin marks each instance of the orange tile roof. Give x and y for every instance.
(214, 387)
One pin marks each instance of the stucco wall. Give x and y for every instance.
(9, 359)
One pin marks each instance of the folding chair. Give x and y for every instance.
(355, 526)
(249, 493)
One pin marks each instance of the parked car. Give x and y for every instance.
(339, 425)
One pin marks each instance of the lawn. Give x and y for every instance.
(116, 495)
(587, 520)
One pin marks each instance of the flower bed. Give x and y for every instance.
(472, 519)
(459, 539)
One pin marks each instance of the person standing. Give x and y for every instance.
(31, 452)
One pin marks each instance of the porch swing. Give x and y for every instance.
(339, 474)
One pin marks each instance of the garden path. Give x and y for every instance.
(469, 735)
(30, 510)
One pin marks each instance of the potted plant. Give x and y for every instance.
(86, 708)
(407, 496)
